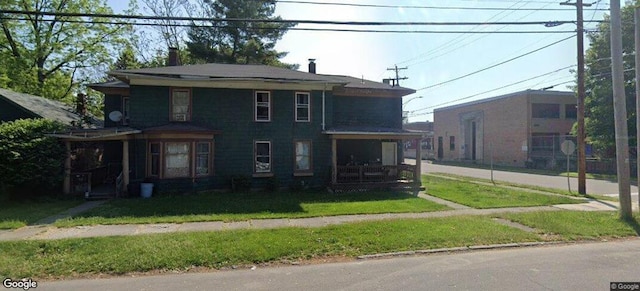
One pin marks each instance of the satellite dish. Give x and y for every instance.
(115, 116)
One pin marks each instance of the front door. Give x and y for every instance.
(389, 153)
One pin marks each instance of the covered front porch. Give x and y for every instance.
(106, 181)
(367, 158)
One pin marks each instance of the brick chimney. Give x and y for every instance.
(81, 104)
(174, 59)
(312, 66)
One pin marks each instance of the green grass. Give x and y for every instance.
(234, 207)
(181, 251)
(578, 225)
(487, 196)
(18, 214)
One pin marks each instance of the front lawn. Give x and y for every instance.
(487, 196)
(216, 206)
(575, 225)
(182, 251)
(18, 214)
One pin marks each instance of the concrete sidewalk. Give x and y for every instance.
(47, 231)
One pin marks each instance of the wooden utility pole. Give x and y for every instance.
(637, 59)
(581, 139)
(396, 81)
(620, 111)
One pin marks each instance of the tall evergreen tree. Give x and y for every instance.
(237, 42)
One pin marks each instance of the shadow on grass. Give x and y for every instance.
(633, 223)
(218, 203)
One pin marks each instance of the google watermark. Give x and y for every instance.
(625, 286)
(24, 284)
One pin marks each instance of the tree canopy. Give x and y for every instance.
(238, 42)
(599, 119)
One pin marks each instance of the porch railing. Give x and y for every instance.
(119, 185)
(375, 174)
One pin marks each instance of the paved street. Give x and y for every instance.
(593, 186)
(586, 266)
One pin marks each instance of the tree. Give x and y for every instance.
(30, 163)
(238, 42)
(49, 55)
(599, 121)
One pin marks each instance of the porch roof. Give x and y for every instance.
(368, 132)
(98, 134)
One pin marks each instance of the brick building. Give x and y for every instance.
(518, 129)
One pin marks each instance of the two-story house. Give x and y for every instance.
(519, 129)
(195, 127)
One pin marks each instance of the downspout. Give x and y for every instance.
(323, 105)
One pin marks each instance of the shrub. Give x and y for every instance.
(272, 184)
(31, 164)
(240, 183)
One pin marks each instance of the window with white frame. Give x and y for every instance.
(302, 156)
(262, 156)
(180, 105)
(263, 106)
(303, 107)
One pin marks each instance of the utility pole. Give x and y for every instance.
(637, 59)
(620, 111)
(581, 140)
(396, 81)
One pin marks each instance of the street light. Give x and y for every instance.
(405, 103)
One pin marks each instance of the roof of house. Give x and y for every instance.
(43, 107)
(510, 95)
(243, 72)
(419, 126)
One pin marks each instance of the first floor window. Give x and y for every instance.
(452, 143)
(262, 156)
(179, 159)
(303, 156)
(154, 159)
(202, 158)
(176, 159)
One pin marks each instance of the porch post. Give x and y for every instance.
(418, 160)
(334, 161)
(125, 165)
(66, 185)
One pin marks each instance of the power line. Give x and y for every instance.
(297, 21)
(495, 65)
(301, 28)
(422, 7)
(494, 89)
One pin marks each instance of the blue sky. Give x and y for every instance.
(434, 58)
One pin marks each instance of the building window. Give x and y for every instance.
(263, 106)
(262, 154)
(303, 156)
(303, 107)
(203, 158)
(543, 110)
(570, 111)
(452, 143)
(176, 159)
(180, 105)
(154, 159)
(125, 110)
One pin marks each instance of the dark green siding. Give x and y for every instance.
(367, 111)
(111, 103)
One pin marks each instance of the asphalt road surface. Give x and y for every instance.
(593, 186)
(585, 266)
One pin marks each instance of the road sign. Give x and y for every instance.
(568, 147)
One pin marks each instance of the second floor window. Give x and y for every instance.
(180, 105)
(303, 106)
(262, 106)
